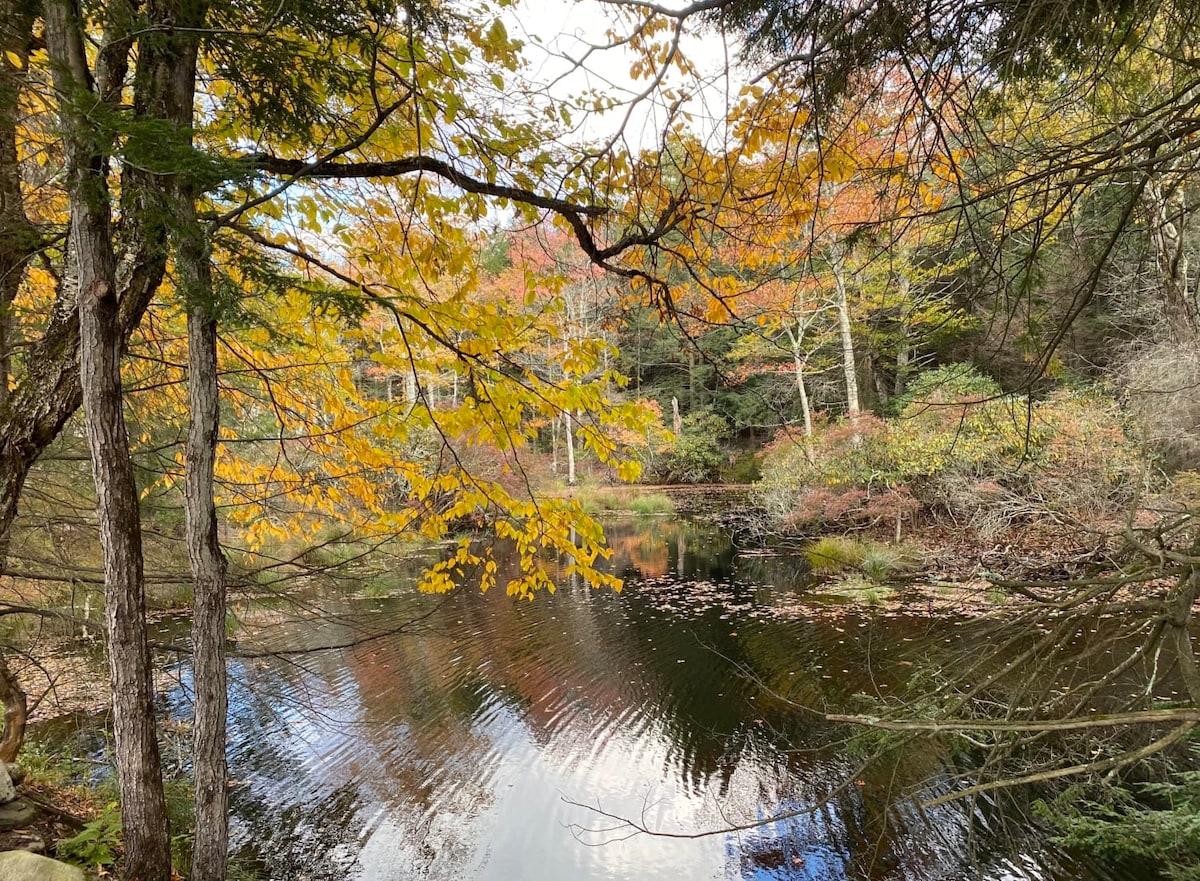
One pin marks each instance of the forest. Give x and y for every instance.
(319, 320)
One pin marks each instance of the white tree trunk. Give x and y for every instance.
(844, 329)
(1168, 214)
(569, 425)
(796, 338)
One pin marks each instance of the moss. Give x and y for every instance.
(859, 590)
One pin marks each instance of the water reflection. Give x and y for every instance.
(458, 748)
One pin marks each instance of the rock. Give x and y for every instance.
(20, 865)
(14, 815)
(17, 774)
(29, 841)
(8, 791)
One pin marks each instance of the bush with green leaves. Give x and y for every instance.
(696, 455)
(1155, 823)
(843, 475)
(97, 843)
(958, 445)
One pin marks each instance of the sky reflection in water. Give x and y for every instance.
(455, 751)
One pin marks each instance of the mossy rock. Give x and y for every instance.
(20, 865)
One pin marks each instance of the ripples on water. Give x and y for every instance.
(456, 750)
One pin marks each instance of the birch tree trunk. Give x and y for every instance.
(569, 428)
(1168, 214)
(796, 338)
(845, 332)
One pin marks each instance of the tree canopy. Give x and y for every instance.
(322, 269)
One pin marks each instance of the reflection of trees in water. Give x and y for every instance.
(416, 727)
(652, 547)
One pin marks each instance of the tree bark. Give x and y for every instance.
(101, 338)
(569, 430)
(143, 807)
(16, 712)
(18, 237)
(796, 338)
(845, 331)
(211, 849)
(1168, 214)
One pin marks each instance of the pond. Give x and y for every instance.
(471, 736)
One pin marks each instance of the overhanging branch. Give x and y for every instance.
(576, 215)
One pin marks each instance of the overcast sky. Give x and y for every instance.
(566, 30)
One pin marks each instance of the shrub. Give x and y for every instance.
(695, 455)
(950, 382)
(957, 445)
(1161, 386)
(1156, 823)
(1089, 464)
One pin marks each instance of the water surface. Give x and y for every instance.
(467, 737)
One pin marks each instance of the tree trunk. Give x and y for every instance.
(805, 409)
(18, 238)
(796, 338)
(1168, 214)
(569, 428)
(412, 388)
(101, 338)
(143, 809)
(904, 351)
(211, 848)
(16, 711)
(554, 445)
(846, 333)
(1179, 622)
(903, 359)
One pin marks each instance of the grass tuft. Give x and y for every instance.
(838, 555)
(834, 555)
(652, 504)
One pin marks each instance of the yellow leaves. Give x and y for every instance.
(717, 310)
(497, 35)
(477, 347)
(629, 471)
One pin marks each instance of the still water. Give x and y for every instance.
(467, 738)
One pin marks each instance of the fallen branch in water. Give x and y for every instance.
(1109, 764)
(1104, 720)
